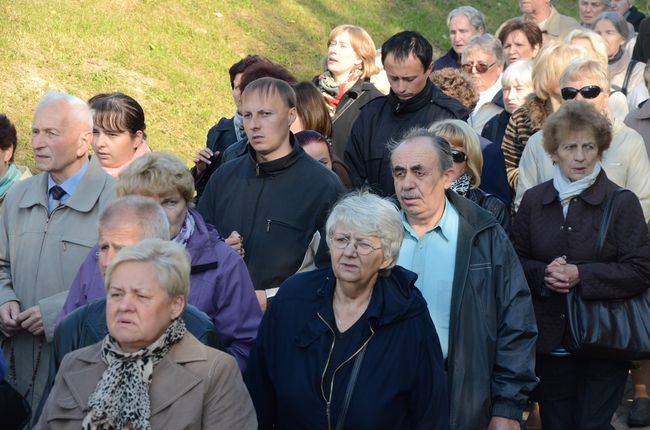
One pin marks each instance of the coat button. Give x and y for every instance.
(562, 316)
(569, 228)
(561, 227)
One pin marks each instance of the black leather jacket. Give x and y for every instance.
(493, 332)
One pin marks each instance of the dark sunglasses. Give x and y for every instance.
(480, 67)
(458, 156)
(588, 92)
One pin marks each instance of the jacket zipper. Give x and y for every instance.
(328, 399)
(270, 221)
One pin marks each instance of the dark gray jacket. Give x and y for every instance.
(491, 360)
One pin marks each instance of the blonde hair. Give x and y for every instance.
(459, 134)
(362, 44)
(581, 67)
(598, 44)
(156, 174)
(549, 65)
(171, 260)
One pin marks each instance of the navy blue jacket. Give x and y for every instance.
(493, 177)
(450, 59)
(401, 382)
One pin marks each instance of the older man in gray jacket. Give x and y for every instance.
(47, 226)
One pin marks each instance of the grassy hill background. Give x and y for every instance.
(173, 56)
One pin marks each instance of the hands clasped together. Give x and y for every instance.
(560, 276)
(12, 320)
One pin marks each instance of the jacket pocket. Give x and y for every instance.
(65, 408)
(73, 251)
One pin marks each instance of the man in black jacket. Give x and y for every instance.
(474, 285)
(413, 101)
(224, 133)
(276, 196)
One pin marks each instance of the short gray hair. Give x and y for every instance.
(474, 16)
(439, 143)
(171, 261)
(617, 20)
(519, 72)
(142, 212)
(606, 3)
(370, 215)
(486, 43)
(78, 106)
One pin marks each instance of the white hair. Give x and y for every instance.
(78, 106)
(520, 72)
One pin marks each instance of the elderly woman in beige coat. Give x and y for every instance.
(149, 372)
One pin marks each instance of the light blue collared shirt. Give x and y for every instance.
(433, 258)
(69, 185)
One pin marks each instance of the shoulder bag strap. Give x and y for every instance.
(604, 224)
(348, 392)
(628, 74)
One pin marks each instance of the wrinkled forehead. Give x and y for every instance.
(418, 151)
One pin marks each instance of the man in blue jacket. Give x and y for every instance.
(474, 286)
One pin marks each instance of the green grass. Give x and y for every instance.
(173, 56)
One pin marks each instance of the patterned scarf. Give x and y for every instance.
(332, 92)
(12, 175)
(121, 399)
(186, 230)
(462, 184)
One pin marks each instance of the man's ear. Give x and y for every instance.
(293, 114)
(447, 177)
(83, 143)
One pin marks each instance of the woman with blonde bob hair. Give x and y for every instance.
(124, 380)
(468, 165)
(345, 83)
(528, 119)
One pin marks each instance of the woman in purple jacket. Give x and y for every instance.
(220, 284)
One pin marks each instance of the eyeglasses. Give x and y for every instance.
(588, 92)
(458, 156)
(480, 67)
(362, 247)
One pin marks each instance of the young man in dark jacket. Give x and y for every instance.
(474, 285)
(276, 196)
(414, 101)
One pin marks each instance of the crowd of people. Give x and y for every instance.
(390, 245)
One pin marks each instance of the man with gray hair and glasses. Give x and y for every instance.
(47, 226)
(474, 286)
(464, 23)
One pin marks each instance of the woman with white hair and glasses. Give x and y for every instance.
(351, 346)
(149, 371)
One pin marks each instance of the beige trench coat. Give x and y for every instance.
(193, 387)
(39, 258)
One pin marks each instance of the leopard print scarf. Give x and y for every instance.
(121, 399)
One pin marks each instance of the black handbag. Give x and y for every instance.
(608, 329)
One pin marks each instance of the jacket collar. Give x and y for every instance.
(360, 87)
(276, 167)
(394, 298)
(643, 112)
(171, 379)
(594, 195)
(85, 196)
(413, 104)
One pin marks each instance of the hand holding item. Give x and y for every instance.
(8, 318)
(32, 320)
(204, 158)
(236, 242)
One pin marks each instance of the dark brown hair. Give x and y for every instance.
(311, 108)
(117, 112)
(576, 116)
(8, 136)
